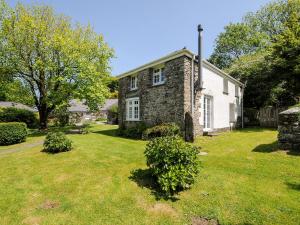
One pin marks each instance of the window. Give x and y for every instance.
(133, 83)
(237, 91)
(231, 113)
(159, 76)
(133, 109)
(225, 86)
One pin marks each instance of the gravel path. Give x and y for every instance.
(23, 147)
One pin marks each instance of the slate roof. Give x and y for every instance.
(16, 105)
(294, 110)
(109, 103)
(79, 106)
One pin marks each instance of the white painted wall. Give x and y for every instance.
(213, 84)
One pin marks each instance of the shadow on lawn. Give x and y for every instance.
(254, 129)
(294, 186)
(144, 179)
(112, 133)
(273, 147)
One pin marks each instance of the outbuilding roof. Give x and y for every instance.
(109, 103)
(16, 105)
(80, 106)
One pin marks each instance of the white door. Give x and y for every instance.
(208, 113)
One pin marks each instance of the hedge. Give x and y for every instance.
(12, 133)
(11, 114)
(161, 130)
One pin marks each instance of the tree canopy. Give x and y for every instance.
(263, 51)
(55, 59)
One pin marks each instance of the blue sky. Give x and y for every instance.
(144, 30)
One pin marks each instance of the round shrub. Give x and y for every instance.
(162, 130)
(12, 133)
(57, 142)
(172, 162)
(11, 114)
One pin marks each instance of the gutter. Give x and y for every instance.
(192, 86)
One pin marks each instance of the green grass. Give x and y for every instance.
(244, 179)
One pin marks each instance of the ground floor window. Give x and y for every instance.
(133, 109)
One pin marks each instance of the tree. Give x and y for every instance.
(268, 58)
(56, 60)
(113, 85)
(255, 32)
(15, 91)
(253, 70)
(236, 41)
(285, 58)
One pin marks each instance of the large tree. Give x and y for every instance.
(57, 60)
(256, 32)
(270, 63)
(285, 58)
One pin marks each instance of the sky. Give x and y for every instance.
(140, 31)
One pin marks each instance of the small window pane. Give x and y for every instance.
(130, 113)
(133, 82)
(162, 74)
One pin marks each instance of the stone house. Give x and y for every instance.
(168, 90)
(80, 112)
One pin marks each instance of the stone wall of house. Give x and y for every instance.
(160, 103)
(289, 129)
(168, 102)
(188, 97)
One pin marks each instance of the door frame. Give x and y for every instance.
(211, 116)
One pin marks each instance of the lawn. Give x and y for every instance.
(244, 179)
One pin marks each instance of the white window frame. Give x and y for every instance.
(225, 86)
(208, 113)
(133, 82)
(133, 109)
(158, 76)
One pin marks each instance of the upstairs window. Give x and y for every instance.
(225, 86)
(237, 91)
(159, 76)
(133, 82)
(133, 109)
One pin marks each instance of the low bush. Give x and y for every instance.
(172, 162)
(12, 133)
(57, 142)
(11, 114)
(133, 132)
(85, 129)
(162, 130)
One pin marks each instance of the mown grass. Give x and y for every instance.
(244, 179)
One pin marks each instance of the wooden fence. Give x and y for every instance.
(264, 117)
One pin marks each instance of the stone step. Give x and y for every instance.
(210, 133)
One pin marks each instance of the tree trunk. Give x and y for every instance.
(43, 113)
